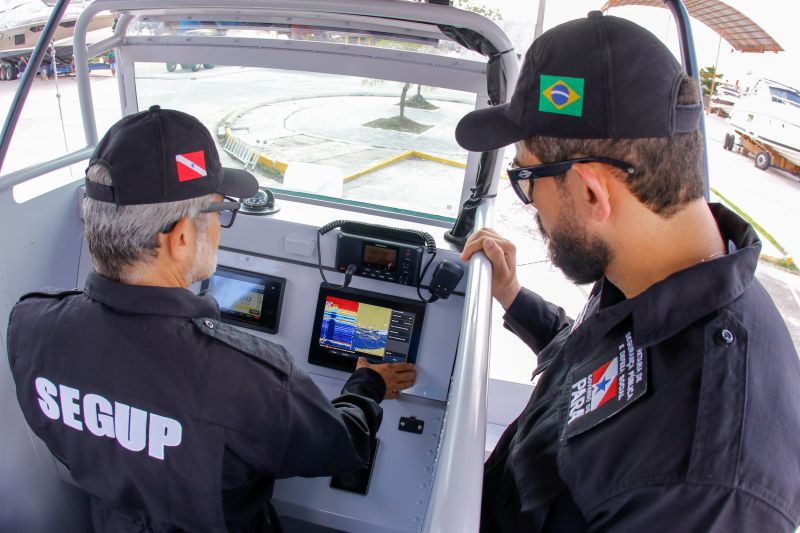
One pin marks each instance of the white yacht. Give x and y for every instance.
(21, 24)
(770, 115)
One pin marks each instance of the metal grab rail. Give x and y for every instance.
(386, 9)
(34, 171)
(461, 450)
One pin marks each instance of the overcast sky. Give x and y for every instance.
(779, 18)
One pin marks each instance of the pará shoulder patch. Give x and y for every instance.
(50, 293)
(604, 386)
(260, 349)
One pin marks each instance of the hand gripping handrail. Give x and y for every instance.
(456, 494)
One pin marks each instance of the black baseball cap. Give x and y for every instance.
(163, 155)
(600, 77)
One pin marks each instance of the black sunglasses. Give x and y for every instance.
(227, 213)
(548, 170)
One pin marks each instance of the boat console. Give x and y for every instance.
(351, 249)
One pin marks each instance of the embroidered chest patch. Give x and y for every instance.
(605, 386)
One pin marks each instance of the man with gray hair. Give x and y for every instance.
(170, 419)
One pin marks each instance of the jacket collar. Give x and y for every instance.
(681, 299)
(145, 300)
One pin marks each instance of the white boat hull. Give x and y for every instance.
(771, 121)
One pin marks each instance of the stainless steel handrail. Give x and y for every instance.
(389, 9)
(14, 178)
(456, 493)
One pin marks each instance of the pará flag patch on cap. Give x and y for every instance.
(191, 165)
(604, 386)
(561, 95)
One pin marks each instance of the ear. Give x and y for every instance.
(180, 241)
(594, 190)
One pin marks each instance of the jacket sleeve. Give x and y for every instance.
(534, 320)
(328, 437)
(688, 507)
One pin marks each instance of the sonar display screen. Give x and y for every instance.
(352, 325)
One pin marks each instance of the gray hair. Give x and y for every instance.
(123, 237)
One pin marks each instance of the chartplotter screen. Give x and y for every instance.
(350, 324)
(246, 298)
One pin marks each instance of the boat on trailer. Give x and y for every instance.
(766, 122)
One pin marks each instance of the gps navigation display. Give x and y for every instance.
(350, 324)
(241, 299)
(247, 299)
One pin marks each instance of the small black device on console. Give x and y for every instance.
(246, 298)
(379, 252)
(386, 260)
(350, 323)
(410, 424)
(445, 279)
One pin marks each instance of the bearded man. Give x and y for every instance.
(671, 403)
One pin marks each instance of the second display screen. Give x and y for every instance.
(370, 330)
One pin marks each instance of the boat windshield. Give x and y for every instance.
(785, 96)
(369, 142)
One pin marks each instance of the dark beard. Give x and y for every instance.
(582, 258)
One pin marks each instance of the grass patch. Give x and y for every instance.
(398, 123)
(420, 102)
(786, 262)
(270, 173)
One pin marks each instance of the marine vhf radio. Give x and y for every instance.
(384, 253)
(387, 258)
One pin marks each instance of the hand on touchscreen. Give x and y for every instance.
(396, 376)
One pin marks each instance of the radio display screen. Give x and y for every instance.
(247, 299)
(350, 324)
(383, 257)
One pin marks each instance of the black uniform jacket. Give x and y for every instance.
(676, 410)
(171, 419)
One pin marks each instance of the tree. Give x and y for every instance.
(401, 122)
(403, 99)
(708, 75)
(480, 9)
(418, 100)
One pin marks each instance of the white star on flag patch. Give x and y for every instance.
(191, 165)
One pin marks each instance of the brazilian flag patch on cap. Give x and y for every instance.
(561, 95)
